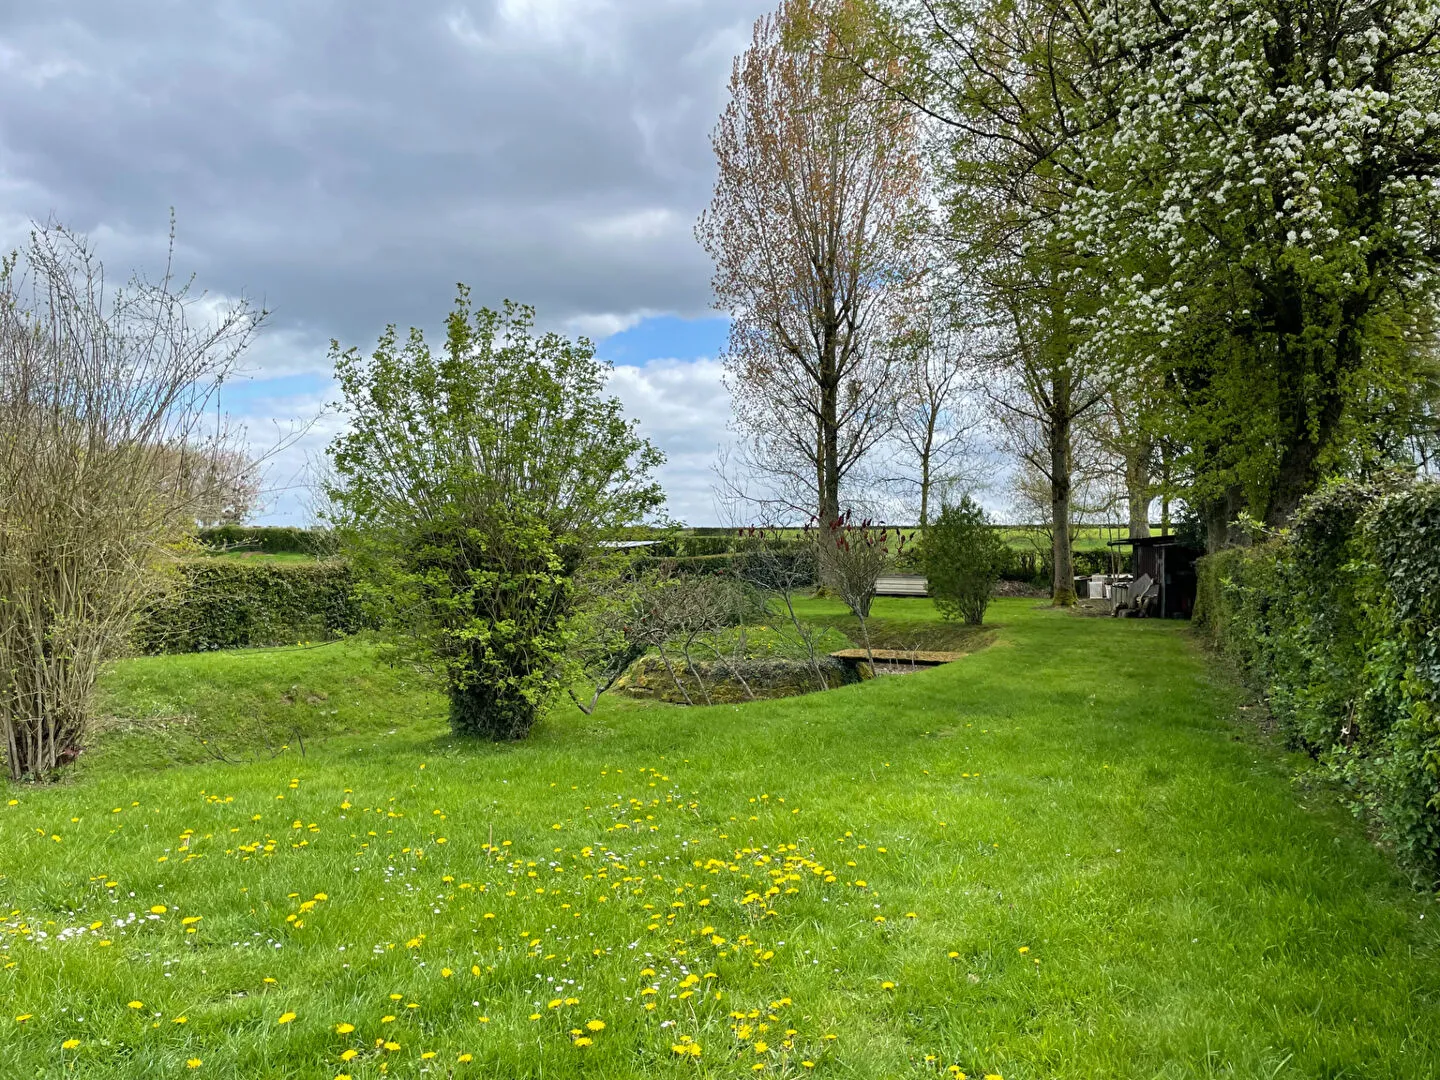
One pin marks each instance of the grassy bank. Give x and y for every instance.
(1059, 856)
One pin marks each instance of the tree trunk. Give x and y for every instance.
(925, 471)
(1138, 487)
(830, 426)
(1063, 583)
(1218, 516)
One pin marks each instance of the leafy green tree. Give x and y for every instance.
(962, 554)
(471, 487)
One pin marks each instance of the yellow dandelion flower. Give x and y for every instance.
(426, 1055)
(583, 1041)
(27, 1016)
(285, 1018)
(349, 1055)
(344, 1029)
(158, 909)
(69, 1044)
(181, 1020)
(135, 1005)
(761, 1046)
(595, 1025)
(193, 1063)
(807, 1064)
(392, 1046)
(464, 1059)
(445, 973)
(887, 986)
(1024, 949)
(387, 1019)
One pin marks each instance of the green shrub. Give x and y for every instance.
(962, 556)
(270, 539)
(472, 483)
(1338, 622)
(218, 604)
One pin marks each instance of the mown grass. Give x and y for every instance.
(1084, 867)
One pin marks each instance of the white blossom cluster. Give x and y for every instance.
(1231, 142)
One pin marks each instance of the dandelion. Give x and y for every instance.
(583, 1041)
(807, 1064)
(69, 1044)
(426, 1055)
(349, 1055)
(1024, 949)
(193, 1063)
(445, 973)
(761, 1047)
(344, 1029)
(135, 1005)
(158, 909)
(26, 1016)
(464, 1059)
(596, 1025)
(285, 1018)
(392, 1046)
(387, 1019)
(181, 1020)
(887, 986)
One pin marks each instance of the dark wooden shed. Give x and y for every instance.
(1170, 563)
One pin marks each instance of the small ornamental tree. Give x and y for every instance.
(470, 488)
(962, 555)
(851, 557)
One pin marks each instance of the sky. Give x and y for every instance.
(345, 162)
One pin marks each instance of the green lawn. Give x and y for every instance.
(1060, 856)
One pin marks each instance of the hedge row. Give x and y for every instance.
(1338, 622)
(270, 539)
(219, 604)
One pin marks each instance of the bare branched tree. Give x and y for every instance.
(936, 415)
(851, 557)
(815, 213)
(103, 411)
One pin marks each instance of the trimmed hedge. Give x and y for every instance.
(765, 570)
(270, 539)
(1337, 621)
(220, 604)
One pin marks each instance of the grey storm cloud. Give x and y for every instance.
(347, 162)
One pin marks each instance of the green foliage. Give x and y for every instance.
(472, 486)
(962, 556)
(1338, 620)
(219, 604)
(269, 539)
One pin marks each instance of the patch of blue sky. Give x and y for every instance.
(666, 337)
